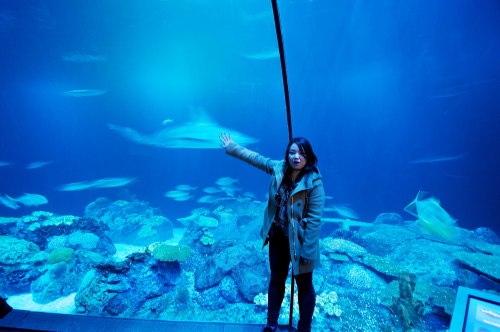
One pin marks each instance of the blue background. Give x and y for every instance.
(373, 85)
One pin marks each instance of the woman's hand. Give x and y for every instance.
(304, 261)
(226, 139)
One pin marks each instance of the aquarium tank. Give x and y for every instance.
(117, 200)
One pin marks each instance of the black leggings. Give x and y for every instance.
(279, 259)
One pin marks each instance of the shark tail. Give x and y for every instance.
(128, 133)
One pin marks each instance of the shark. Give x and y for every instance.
(203, 133)
(100, 183)
(343, 211)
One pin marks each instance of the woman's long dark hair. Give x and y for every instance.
(305, 149)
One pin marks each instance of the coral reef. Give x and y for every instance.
(341, 246)
(213, 276)
(133, 222)
(169, 253)
(408, 310)
(16, 251)
(358, 277)
(60, 255)
(488, 265)
(327, 302)
(20, 262)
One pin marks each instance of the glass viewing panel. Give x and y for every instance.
(117, 200)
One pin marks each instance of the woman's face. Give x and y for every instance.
(296, 159)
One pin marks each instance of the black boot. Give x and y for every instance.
(5, 308)
(270, 328)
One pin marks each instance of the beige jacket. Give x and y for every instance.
(305, 207)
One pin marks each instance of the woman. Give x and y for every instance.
(291, 222)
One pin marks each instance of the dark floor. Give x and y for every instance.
(20, 320)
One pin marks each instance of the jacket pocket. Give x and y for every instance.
(301, 231)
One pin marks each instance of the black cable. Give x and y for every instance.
(283, 67)
(288, 112)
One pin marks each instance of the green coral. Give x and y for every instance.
(60, 255)
(207, 239)
(169, 253)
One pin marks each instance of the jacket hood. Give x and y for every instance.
(307, 181)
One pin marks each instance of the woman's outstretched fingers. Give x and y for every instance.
(225, 139)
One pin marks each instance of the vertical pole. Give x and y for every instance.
(288, 114)
(290, 319)
(283, 67)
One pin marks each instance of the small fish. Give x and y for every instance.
(225, 181)
(212, 190)
(437, 159)
(112, 182)
(207, 199)
(167, 121)
(32, 199)
(4, 163)
(75, 186)
(83, 58)
(248, 194)
(183, 198)
(178, 195)
(185, 187)
(84, 93)
(9, 202)
(37, 164)
(230, 190)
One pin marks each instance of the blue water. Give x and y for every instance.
(395, 97)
